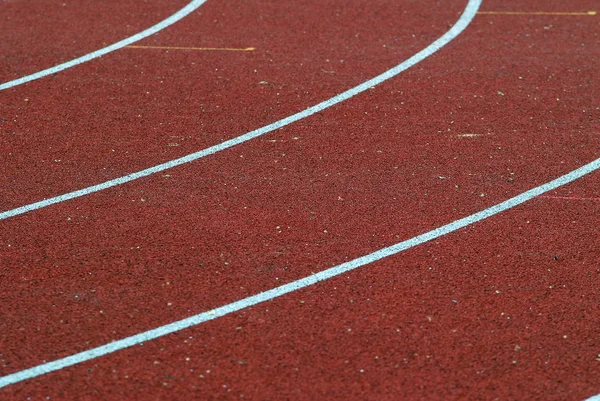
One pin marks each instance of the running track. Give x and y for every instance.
(505, 308)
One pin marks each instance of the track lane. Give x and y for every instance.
(439, 321)
(543, 153)
(217, 97)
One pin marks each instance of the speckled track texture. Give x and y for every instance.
(507, 308)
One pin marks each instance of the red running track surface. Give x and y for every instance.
(504, 309)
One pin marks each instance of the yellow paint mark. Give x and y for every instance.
(229, 49)
(471, 135)
(535, 13)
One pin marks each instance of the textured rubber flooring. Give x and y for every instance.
(504, 309)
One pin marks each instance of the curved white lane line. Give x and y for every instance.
(298, 284)
(193, 5)
(460, 25)
(594, 398)
(306, 281)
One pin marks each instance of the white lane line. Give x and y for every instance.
(193, 5)
(295, 285)
(594, 398)
(460, 25)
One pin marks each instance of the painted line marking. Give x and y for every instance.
(473, 135)
(229, 49)
(569, 198)
(459, 26)
(185, 11)
(297, 284)
(588, 13)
